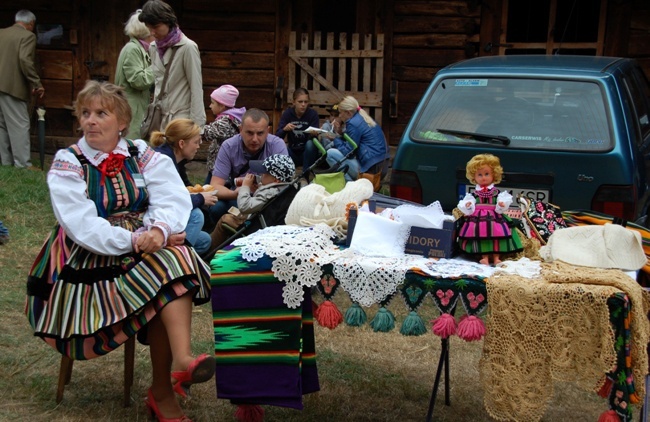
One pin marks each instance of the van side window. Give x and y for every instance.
(638, 90)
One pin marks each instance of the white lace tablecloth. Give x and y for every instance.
(300, 252)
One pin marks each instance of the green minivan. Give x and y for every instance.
(570, 130)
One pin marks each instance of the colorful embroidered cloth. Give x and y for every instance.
(264, 350)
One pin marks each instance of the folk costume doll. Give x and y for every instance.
(485, 229)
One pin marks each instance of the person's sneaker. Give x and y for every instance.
(4, 239)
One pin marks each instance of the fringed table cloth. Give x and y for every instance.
(284, 262)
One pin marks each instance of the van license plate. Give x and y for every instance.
(538, 194)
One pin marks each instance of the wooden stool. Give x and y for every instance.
(129, 356)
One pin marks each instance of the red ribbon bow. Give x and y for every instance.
(111, 166)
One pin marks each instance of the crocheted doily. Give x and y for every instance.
(370, 280)
(299, 253)
(458, 267)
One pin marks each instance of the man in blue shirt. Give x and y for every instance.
(253, 143)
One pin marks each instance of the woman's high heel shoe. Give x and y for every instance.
(155, 414)
(200, 370)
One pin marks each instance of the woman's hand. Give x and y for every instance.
(209, 198)
(289, 127)
(176, 239)
(150, 241)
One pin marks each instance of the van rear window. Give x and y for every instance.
(542, 114)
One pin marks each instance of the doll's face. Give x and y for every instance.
(484, 176)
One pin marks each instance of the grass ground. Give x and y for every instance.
(364, 376)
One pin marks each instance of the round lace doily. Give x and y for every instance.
(299, 253)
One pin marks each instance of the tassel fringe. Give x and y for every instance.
(355, 316)
(249, 413)
(384, 321)
(470, 328)
(444, 326)
(328, 315)
(609, 416)
(413, 325)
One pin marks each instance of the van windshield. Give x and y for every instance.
(532, 113)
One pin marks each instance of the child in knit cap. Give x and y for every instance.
(272, 175)
(226, 123)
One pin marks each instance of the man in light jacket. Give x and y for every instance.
(18, 81)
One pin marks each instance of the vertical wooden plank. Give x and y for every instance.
(317, 63)
(282, 62)
(292, 66)
(490, 26)
(552, 15)
(304, 45)
(388, 13)
(367, 64)
(379, 66)
(329, 63)
(504, 28)
(354, 64)
(343, 43)
(619, 15)
(81, 23)
(602, 19)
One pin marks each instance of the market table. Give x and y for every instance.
(271, 274)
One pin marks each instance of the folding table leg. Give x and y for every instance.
(646, 402)
(442, 362)
(447, 400)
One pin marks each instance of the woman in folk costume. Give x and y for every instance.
(115, 265)
(485, 229)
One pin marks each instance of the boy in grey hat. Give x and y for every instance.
(273, 175)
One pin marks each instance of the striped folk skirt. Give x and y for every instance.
(86, 305)
(486, 231)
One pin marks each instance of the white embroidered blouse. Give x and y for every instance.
(169, 200)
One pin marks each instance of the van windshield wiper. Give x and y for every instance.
(481, 137)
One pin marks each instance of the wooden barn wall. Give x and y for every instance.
(427, 35)
(88, 47)
(638, 45)
(236, 39)
(55, 62)
(242, 43)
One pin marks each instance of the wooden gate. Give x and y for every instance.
(331, 67)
